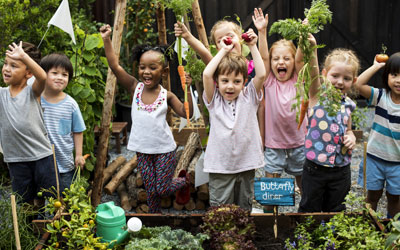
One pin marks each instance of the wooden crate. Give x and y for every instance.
(182, 136)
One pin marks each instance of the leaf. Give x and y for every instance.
(76, 90)
(91, 42)
(84, 93)
(91, 71)
(88, 56)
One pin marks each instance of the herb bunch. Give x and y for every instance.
(294, 29)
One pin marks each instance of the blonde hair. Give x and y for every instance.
(232, 63)
(235, 27)
(342, 55)
(283, 43)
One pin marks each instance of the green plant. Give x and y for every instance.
(75, 231)
(291, 29)
(343, 231)
(359, 118)
(160, 238)
(229, 226)
(393, 238)
(25, 214)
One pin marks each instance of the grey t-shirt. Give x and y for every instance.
(23, 135)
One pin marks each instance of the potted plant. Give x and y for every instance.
(359, 121)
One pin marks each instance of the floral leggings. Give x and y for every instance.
(157, 172)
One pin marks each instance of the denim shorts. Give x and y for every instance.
(381, 173)
(291, 160)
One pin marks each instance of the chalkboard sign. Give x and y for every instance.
(274, 191)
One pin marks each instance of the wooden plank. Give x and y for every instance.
(107, 106)
(181, 137)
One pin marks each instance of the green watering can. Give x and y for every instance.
(111, 224)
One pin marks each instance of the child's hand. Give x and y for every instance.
(80, 161)
(226, 43)
(312, 40)
(15, 52)
(188, 79)
(259, 20)
(105, 31)
(349, 140)
(251, 38)
(181, 30)
(378, 64)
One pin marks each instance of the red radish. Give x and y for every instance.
(246, 37)
(228, 41)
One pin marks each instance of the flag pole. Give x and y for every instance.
(43, 36)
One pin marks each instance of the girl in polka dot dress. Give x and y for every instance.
(329, 139)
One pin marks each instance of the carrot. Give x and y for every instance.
(303, 111)
(86, 156)
(181, 72)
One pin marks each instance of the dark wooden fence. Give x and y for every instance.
(360, 25)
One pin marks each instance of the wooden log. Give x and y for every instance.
(109, 171)
(192, 144)
(142, 208)
(200, 205)
(192, 166)
(123, 195)
(166, 202)
(139, 179)
(191, 205)
(120, 9)
(134, 203)
(119, 177)
(177, 206)
(203, 193)
(141, 195)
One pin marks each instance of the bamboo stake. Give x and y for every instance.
(120, 8)
(56, 171)
(276, 215)
(365, 170)
(15, 222)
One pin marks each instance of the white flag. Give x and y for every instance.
(62, 19)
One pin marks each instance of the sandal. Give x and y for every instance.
(183, 195)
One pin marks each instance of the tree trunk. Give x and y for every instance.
(122, 174)
(192, 144)
(109, 171)
(192, 166)
(107, 106)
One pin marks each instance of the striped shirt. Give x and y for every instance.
(384, 139)
(62, 120)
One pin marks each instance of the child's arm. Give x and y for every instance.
(260, 76)
(208, 73)
(363, 79)
(126, 80)
(315, 84)
(16, 52)
(349, 139)
(78, 143)
(178, 106)
(261, 24)
(201, 50)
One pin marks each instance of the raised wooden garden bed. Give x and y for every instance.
(182, 136)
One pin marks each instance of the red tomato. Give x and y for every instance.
(381, 58)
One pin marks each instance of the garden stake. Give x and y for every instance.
(365, 170)
(56, 171)
(15, 222)
(276, 216)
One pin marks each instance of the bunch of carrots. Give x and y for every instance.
(292, 29)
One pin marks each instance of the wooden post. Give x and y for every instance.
(162, 40)
(365, 170)
(201, 31)
(276, 216)
(120, 8)
(15, 222)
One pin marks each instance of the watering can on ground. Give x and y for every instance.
(111, 224)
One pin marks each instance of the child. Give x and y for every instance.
(220, 29)
(284, 143)
(234, 148)
(383, 149)
(329, 140)
(62, 117)
(27, 149)
(150, 135)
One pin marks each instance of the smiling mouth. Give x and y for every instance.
(282, 72)
(147, 81)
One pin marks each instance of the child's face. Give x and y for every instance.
(14, 72)
(341, 75)
(57, 79)
(227, 30)
(151, 68)
(394, 84)
(230, 85)
(282, 63)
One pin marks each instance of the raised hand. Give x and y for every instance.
(259, 20)
(250, 37)
(180, 30)
(105, 31)
(15, 51)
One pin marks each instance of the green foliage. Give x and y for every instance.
(343, 231)
(393, 239)
(163, 238)
(331, 97)
(358, 117)
(75, 231)
(7, 237)
(194, 66)
(229, 226)
(291, 29)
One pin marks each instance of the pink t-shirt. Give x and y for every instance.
(280, 120)
(234, 144)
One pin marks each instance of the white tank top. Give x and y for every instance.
(150, 133)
